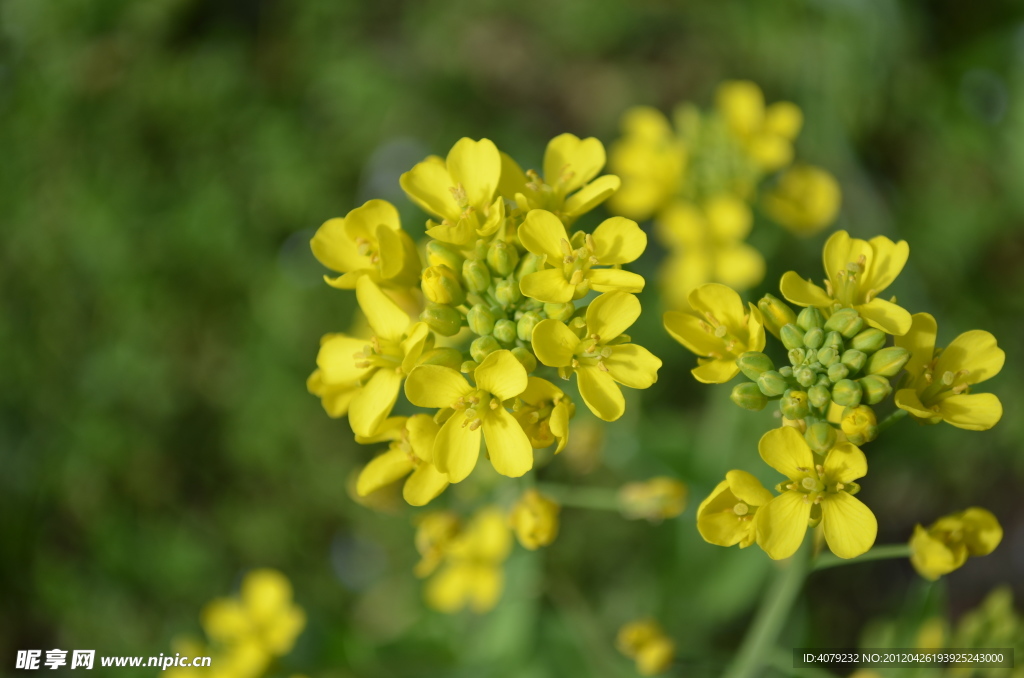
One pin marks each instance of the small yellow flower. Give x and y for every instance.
(728, 516)
(410, 452)
(460, 190)
(544, 413)
(599, 355)
(568, 188)
(805, 200)
(571, 273)
(858, 271)
(940, 380)
(534, 518)
(765, 133)
(376, 366)
(719, 330)
(368, 241)
(335, 397)
(654, 499)
(945, 545)
(472, 574)
(650, 159)
(435, 532)
(815, 491)
(645, 642)
(499, 377)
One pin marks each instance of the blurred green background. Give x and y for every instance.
(163, 165)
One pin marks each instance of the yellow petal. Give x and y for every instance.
(572, 161)
(428, 185)
(335, 398)
(600, 392)
(755, 329)
(618, 241)
(782, 524)
(373, 403)
(413, 345)
(907, 399)
(507, 444)
(425, 483)
(786, 451)
(887, 262)
(687, 329)
(448, 590)
(614, 280)
(802, 292)
(611, 314)
(845, 463)
(633, 366)
(542, 233)
(385, 317)
(549, 286)
(591, 195)
(741, 103)
(681, 224)
(539, 390)
(982, 531)
(747, 488)
(850, 526)
(722, 302)
(391, 251)
(975, 351)
(337, 362)
(435, 386)
(723, 528)
(501, 375)
(513, 179)
(457, 231)
(383, 470)
(972, 411)
(739, 266)
(841, 250)
(920, 341)
(715, 371)
(554, 343)
(489, 535)
(559, 424)
(362, 222)
(457, 448)
(485, 588)
(333, 248)
(476, 166)
(931, 557)
(225, 620)
(728, 217)
(422, 430)
(784, 118)
(886, 316)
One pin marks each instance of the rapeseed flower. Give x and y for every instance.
(946, 543)
(765, 133)
(435, 531)
(805, 200)
(544, 411)
(651, 160)
(728, 516)
(472, 575)
(654, 499)
(534, 518)
(410, 454)
(646, 643)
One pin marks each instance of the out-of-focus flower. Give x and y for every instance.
(654, 499)
(435, 531)
(766, 133)
(472, 574)
(727, 516)
(946, 543)
(805, 200)
(650, 159)
(534, 518)
(645, 642)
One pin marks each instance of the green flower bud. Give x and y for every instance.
(752, 364)
(791, 336)
(820, 437)
(469, 366)
(507, 292)
(786, 371)
(814, 338)
(529, 320)
(819, 396)
(481, 320)
(854, 360)
(560, 312)
(845, 321)
(838, 372)
(810, 318)
(776, 313)
(443, 319)
(824, 381)
(834, 340)
(440, 254)
(525, 358)
(441, 286)
(483, 347)
(796, 356)
(888, 361)
(869, 340)
(530, 263)
(859, 424)
(446, 357)
(748, 396)
(846, 392)
(794, 405)
(875, 387)
(505, 331)
(502, 258)
(772, 383)
(805, 376)
(476, 275)
(828, 356)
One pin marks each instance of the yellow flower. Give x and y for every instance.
(945, 545)
(858, 271)
(335, 397)
(472, 574)
(940, 382)
(719, 329)
(727, 516)
(499, 377)
(544, 413)
(599, 355)
(645, 642)
(568, 188)
(706, 244)
(654, 499)
(460, 190)
(535, 520)
(571, 274)
(260, 624)
(766, 134)
(651, 160)
(435, 531)
(377, 366)
(815, 491)
(410, 452)
(805, 200)
(368, 241)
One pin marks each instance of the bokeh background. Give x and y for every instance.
(163, 165)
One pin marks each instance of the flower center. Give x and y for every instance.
(379, 353)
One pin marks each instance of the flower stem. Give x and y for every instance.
(877, 553)
(891, 419)
(597, 498)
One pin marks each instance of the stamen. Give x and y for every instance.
(566, 247)
(590, 242)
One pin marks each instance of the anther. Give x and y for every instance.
(566, 248)
(577, 278)
(590, 242)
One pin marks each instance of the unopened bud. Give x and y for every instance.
(837, 372)
(819, 395)
(525, 358)
(524, 328)
(753, 364)
(846, 392)
(560, 312)
(505, 331)
(776, 313)
(869, 340)
(772, 383)
(828, 356)
(814, 338)
(481, 319)
(469, 366)
(483, 347)
(810, 318)
(791, 336)
(888, 361)
(845, 321)
(530, 263)
(854, 360)
(875, 387)
(748, 396)
(441, 286)
(443, 319)
(507, 292)
(786, 371)
(796, 356)
(859, 424)
(805, 376)
(820, 437)
(440, 254)
(476, 275)
(794, 404)
(446, 357)
(502, 258)
(834, 340)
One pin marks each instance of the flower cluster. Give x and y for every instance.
(700, 178)
(848, 352)
(645, 642)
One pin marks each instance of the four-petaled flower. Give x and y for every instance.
(411, 452)
(946, 543)
(727, 516)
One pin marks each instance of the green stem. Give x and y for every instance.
(885, 552)
(597, 498)
(891, 419)
(771, 617)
